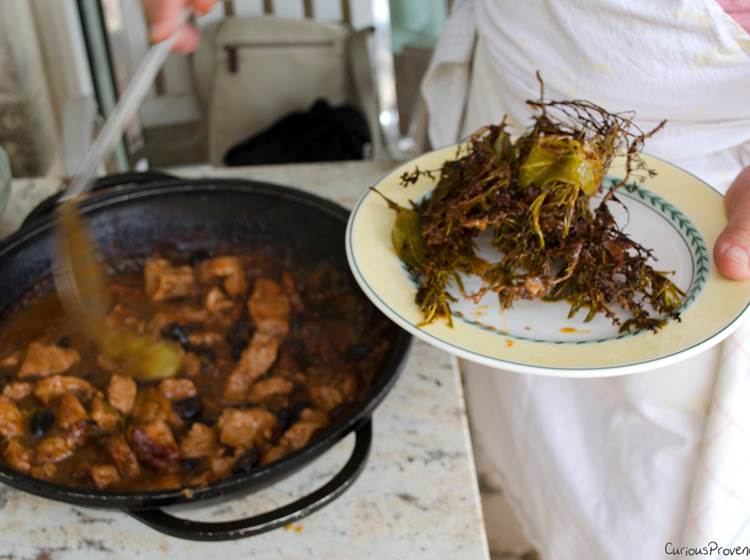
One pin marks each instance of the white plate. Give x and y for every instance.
(675, 214)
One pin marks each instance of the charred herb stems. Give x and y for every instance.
(536, 199)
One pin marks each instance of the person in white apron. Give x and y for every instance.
(630, 467)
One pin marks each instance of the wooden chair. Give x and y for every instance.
(371, 77)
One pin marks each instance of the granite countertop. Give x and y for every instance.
(416, 499)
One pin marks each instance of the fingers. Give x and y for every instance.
(164, 19)
(202, 7)
(188, 40)
(732, 249)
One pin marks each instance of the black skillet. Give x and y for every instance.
(142, 213)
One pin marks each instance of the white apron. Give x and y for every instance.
(632, 466)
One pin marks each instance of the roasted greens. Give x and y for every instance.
(543, 200)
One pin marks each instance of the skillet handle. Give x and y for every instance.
(206, 531)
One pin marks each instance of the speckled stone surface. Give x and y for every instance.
(416, 499)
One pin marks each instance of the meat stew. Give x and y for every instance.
(273, 354)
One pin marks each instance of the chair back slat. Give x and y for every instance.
(346, 12)
(309, 9)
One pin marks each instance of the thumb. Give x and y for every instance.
(732, 249)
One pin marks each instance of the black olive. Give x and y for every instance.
(356, 352)
(296, 322)
(206, 354)
(298, 349)
(81, 475)
(176, 332)
(238, 337)
(288, 416)
(64, 342)
(190, 464)
(235, 352)
(283, 418)
(339, 410)
(188, 409)
(41, 422)
(294, 346)
(246, 461)
(197, 256)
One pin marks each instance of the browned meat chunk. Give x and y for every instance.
(17, 390)
(151, 406)
(177, 389)
(241, 428)
(47, 359)
(11, 419)
(216, 301)
(269, 308)
(298, 435)
(104, 475)
(164, 281)
(121, 393)
(56, 448)
(11, 360)
(274, 454)
(47, 390)
(155, 445)
(255, 360)
(77, 435)
(17, 455)
(70, 411)
(267, 388)
(191, 365)
(199, 442)
(290, 289)
(237, 386)
(348, 387)
(168, 481)
(221, 465)
(329, 396)
(198, 479)
(315, 415)
(230, 270)
(53, 449)
(45, 471)
(105, 416)
(205, 338)
(326, 397)
(123, 456)
(288, 368)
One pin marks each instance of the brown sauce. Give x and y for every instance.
(329, 344)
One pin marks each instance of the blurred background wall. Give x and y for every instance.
(62, 59)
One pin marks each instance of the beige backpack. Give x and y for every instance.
(251, 71)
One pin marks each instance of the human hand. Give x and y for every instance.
(732, 249)
(163, 18)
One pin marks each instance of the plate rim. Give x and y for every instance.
(506, 364)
